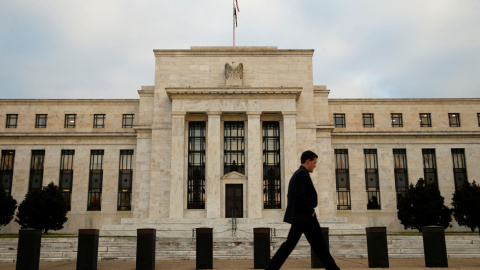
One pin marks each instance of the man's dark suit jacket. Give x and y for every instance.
(302, 197)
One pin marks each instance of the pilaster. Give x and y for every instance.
(213, 163)
(177, 165)
(254, 166)
(291, 160)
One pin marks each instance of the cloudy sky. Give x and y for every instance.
(363, 48)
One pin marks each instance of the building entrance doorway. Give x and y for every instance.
(234, 200)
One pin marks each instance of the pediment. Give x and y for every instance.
(234, 175)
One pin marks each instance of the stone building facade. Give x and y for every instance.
(219, 135)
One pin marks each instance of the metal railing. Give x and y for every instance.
(234, 221)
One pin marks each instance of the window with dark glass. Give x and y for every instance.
(99, 121)
(12, 120)
(70, 120)
(430, 166)
(196, 165)
(41, 121)
(271, 165)
(95, 181)
(66, 176)
(125, 176)
(368, 120)
(234, 153)
(459, 167)
(425, 120)
(454, 119)
(6, 170)
(397, 120)
(127, 121)
(371, 179)
(36, 170)
(342, 176)
(478, 119)
(401, 172)
(339, 120)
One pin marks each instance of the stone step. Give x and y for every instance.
(124, 248)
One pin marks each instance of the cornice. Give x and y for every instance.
(410, 133)
(231, 51)
(406, 101)
(61, 134)
(67, 101)
(234, 91)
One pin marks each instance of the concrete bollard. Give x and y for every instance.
(87, 254)
(377, 247)
(204, 248)
(434, 246)
(261, 247)
(146, 249)
(315, 261)
(28, 252)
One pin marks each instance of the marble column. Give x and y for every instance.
(254, 166)
(177, 167)
(214, 165)
(290, 153)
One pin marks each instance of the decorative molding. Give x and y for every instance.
(266, 92)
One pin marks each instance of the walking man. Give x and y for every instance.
(302, 199)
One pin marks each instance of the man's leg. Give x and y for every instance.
(313, 233)
(286, 248)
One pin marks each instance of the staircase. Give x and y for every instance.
(124, 248)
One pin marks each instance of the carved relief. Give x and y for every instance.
(233, 76)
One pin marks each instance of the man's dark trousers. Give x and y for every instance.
(313, 233)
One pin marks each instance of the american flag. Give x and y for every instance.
(237, 5)
(235, 16)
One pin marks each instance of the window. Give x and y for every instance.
(70, 120)
(368, 120)
(196, 165)
(454, 119)
(99, 121)
(339, 119)
(401, 172)
(95, 181)
(271, 165)
(125, 177)
(36, 170)
(459, 167)
(234, 153)
(342, 176)
(397, 120)
(425, 120)
(478, 118)
(12, 120)
(430, 166)
(127, 121)
(371, 179)
(66, 176)
(6, 170)
(41, 121)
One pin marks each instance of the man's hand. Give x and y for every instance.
(313, 214)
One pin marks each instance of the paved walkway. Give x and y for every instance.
(353, 264)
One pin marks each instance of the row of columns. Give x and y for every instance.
(254, 162)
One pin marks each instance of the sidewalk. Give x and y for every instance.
(353, 264)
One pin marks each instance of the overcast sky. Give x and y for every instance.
(363, 48)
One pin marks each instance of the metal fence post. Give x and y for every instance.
(434, 246)
(146, 249)
(377, 247)
(204, 248)
(261, 247)
(28, 253)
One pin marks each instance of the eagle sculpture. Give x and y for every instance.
(231, 73)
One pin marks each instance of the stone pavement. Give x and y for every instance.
(351, 264)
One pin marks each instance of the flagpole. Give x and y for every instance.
(233, 1)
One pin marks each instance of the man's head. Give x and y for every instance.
(309, 160)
